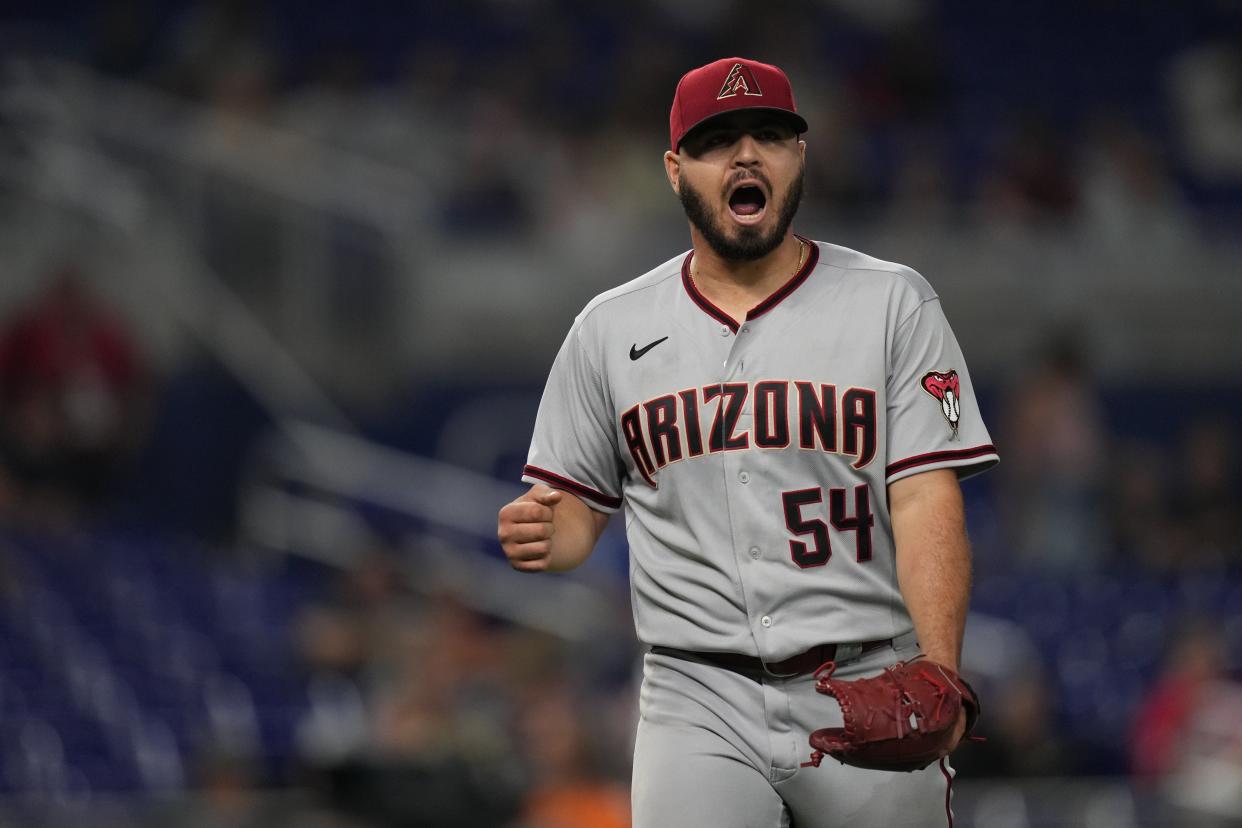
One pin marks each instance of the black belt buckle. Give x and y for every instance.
(802, 663)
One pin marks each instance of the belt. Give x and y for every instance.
(798, 665)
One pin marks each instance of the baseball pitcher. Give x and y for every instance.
(786, 422)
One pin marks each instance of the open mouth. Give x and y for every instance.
(747, 203)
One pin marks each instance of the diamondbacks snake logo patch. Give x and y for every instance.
(944, 387)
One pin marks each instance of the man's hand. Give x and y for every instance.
(526, 527)
(958, 732)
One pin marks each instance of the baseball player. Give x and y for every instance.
(786, 422)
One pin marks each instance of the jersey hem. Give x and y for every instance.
(556, 481)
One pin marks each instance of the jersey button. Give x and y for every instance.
(743, 476)
(755, 552)
(724, 330)
(766, 620)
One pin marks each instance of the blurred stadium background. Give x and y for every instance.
(281, 283)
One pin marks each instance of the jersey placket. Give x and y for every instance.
(746, 502)
(741, 480)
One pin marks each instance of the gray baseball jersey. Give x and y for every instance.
(754, 456)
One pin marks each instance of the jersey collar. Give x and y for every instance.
(763, 307)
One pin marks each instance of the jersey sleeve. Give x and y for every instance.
(574, 445)
(933, 418)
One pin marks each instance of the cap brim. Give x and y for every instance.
(794, 118)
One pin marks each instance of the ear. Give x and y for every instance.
(672, 168)
(802, 150)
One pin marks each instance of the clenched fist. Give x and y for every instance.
(525, 529)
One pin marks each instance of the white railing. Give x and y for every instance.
(264, 157)
(68, 171)
(138, 159)
(308, 482)
(58, 115)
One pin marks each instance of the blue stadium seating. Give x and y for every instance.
(116, 650)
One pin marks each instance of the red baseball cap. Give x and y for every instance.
(724, 86)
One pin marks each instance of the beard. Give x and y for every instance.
(749, 243)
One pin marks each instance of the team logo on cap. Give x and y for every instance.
(945, 387)
(742, 80)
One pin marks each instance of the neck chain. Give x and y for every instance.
(802, 248)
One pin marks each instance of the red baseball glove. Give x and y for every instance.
(900, 720)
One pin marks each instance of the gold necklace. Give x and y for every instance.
(801, 261)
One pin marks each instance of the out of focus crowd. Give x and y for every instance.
(1107, 633)
(73, 402)
(426, 712)
(536, 117)
(1107, 630)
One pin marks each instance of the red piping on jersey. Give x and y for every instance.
(948, 792)
(574, 487)
(937, 456)
(763, 307)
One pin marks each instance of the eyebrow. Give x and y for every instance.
(742, 122)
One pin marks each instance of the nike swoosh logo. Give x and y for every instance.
(636, 352)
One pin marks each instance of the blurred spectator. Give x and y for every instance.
(211, 36)
(1206, 786)
(1054, 438)
(842, 171)
(347, 643)
(1191, 666)
(437, 695)
(1187, 737)
(1021, 738)
(228, 794)
(414, 124)
(1031, 181)
(73, 387)
(1128, 191)
(573, 785)
(411, 714)
(227, 787)
(241, 239)
(904, 83)
(922, 194)
(1178, 506)
(1002, 661)
(1205, 89)
(1141, 519)
(501, 159)
(1205, 494)
(341, 107)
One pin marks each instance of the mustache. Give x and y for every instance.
(743, 175)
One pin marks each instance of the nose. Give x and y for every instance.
(746, 150)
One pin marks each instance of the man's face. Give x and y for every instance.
(740, 182)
